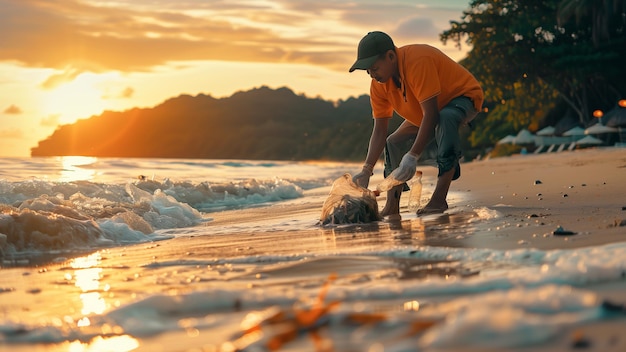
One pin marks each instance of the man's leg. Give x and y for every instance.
(437, 203)
(398, 143)
(449, 151)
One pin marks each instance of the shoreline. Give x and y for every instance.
(533, 196)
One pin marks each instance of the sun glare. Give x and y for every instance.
(76, 168)
(74, 100)
(120, 343)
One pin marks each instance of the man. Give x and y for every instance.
(435, 96)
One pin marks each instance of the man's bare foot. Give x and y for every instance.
(390, 210)
(433, 208)
(392, 217)
(392, 205)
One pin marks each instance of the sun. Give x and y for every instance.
(77, 99)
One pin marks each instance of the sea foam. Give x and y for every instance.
(39, 215)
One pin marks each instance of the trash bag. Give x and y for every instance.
(349, 203)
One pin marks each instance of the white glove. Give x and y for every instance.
(404, 172)
(363, 178)
(406, 169)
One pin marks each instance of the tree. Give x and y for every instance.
(527, 43)
(606, 17)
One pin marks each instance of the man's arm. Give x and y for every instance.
(374, 150)
(377, 140)
(408, 164)
(427, 129)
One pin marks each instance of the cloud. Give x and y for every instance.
(126, 93)
(51, 121)
(67, 75)
(55, 34)
(417, 27)
(138, 35)
(11, 133)
(12, 110)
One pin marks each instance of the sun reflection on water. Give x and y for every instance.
(411, 306)
(72, 168)
(87, 278)
(121, 343)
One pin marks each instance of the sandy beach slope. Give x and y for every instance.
(582, 191)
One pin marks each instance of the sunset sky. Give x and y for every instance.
(63, 60)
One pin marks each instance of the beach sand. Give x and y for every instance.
(582, 191)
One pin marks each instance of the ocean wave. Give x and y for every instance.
(38, 215)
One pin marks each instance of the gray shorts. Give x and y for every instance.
(444, 150)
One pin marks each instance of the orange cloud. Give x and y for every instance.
(67, 76)
(12, 110)
(13, 133)
(82, 36)
(129, 36)
(126, 93)
(51, 121)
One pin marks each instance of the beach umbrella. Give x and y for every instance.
(507, 140)
(576, 131)
(524, 137)
(600, 129)
(589, 140)
(546, 131)
(616, 117)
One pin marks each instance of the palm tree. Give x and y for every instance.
(607, 17)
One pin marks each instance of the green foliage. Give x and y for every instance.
(529, 54)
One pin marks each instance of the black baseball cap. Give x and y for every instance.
(370, 48)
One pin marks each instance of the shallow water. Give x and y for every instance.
(204, 261)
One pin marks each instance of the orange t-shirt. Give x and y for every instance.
(425, 72)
